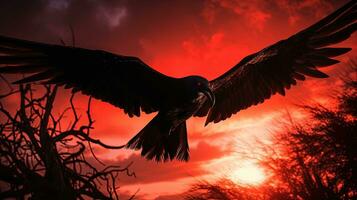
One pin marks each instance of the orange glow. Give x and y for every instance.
(181, 38)
(249, 174)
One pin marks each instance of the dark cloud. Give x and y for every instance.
(113, 25)
(18, 18)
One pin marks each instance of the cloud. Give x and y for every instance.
(58, 4)
(302, 9)
(112, 16)
(170, 197)
(258, 19)
(254, 13)
(151, 171)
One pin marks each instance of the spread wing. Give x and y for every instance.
(123, 81)
(277, 67)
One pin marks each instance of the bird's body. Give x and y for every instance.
(130, 84)
(167, 131)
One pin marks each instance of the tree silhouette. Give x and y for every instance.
(226, 189)
(314, 160)
(41, 160)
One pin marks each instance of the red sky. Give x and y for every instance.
(179, 38)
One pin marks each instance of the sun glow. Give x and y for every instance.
(250, 174)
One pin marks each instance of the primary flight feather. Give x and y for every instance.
(130, 84)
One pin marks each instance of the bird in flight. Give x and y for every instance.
(130, 84)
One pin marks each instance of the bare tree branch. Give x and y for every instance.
(41, 160)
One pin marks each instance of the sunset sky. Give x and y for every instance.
(180, 38)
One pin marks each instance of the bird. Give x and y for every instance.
(130, 84)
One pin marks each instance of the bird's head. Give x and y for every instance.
(199, 85)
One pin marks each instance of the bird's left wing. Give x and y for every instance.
(276, 68)
(123, 81)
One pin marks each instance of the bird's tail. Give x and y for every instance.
(160, 142)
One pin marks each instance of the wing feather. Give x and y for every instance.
(278, 67)
(123, 81)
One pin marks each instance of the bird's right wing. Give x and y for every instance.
(126, 82)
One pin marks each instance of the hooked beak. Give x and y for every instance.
(210, 96)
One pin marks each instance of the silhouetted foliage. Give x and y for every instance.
(41, 160)
(321, 157)
(315, 160)
(225, 189)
